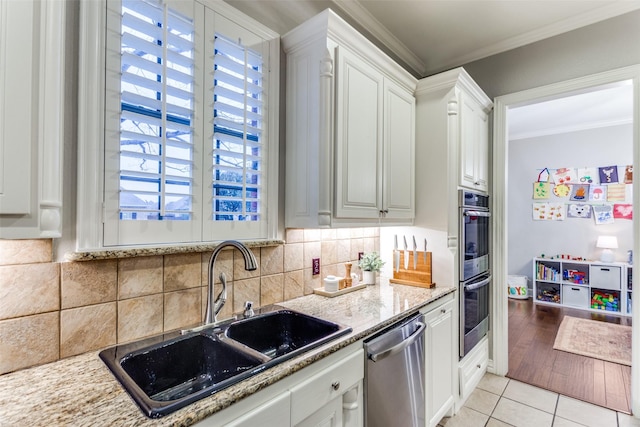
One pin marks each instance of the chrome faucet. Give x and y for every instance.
(214, 306)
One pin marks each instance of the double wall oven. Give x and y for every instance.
(475, 276)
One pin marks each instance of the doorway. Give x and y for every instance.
(501, 182)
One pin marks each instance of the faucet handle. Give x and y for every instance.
(248, 309)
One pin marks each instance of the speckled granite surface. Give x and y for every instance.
(136, 252)
(81, 390)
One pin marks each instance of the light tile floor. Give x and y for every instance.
(500, 402)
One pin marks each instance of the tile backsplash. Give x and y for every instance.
(51, 310)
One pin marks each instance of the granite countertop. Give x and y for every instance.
(81, 390)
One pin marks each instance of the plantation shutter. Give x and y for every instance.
(238, 126)
(157, 107)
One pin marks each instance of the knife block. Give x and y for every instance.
(420, 276)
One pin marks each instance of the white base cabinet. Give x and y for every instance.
(440, 358)
(471, 370)
(350, 131)
(326, 393)
(440, 342)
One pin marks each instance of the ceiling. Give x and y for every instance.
(429, 36)
(602, 106)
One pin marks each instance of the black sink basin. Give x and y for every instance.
(280, 333)
(168, 372)
(169, 375)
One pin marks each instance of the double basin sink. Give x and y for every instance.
(168, 372)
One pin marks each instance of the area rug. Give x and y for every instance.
(591, 338)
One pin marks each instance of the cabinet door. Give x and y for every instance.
(274, 413)
(358, 173)
(399, 152)
(474, 145)
(330, 415)
(439, 368)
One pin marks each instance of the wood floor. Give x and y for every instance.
(532, 359)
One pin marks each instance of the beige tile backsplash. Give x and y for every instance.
(52, 310)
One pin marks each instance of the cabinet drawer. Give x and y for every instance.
(575, 296)
(605, 276)
(326, 385)
(473, 367)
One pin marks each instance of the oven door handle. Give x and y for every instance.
(477, 213)
(480, 284)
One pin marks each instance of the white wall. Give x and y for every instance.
(528, 238)
(442, 264)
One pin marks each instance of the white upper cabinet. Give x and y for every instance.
(452, 146)
(474, 144)
(350, 137)
(31, 119)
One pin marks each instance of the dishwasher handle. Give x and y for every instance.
(401, 345)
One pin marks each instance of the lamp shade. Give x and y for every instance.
(607, 242)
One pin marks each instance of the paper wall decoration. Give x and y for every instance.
(608, 174)
(623, 211)
(603, 214)
(564, 175)
(597, 193)
(628, 174)
(578, 210)
(561, 190)
(588, 176)
(616, 193)
(548, 211)
(579, 192)
(541, 190)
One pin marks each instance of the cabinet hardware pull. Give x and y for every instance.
(478, 366)
(575, 289)
(442, 310)
(335, 385)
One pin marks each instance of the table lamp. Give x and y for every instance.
(606, 243)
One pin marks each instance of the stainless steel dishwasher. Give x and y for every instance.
(395, 377)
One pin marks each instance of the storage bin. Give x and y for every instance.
(518, 287)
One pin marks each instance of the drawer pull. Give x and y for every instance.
(335, 385)
(478, 366)
(443, 311)
(604, 269)
(575, 289)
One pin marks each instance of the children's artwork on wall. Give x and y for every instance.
(579, 192)
(564, 175)
(616, 192)
(603, 214)
(548, 211)
(541, 190)
(622, 211)
(561, 190)
(608, 174)
(628, 174)
(588, 176)
(578, 210)
(597, 193)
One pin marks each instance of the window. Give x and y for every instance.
(189, 149)
(237, 140)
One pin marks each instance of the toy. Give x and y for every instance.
(607, 301)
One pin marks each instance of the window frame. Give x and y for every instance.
(90, 209)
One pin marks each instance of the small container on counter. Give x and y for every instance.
(331, 283)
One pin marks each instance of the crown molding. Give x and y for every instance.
(359, 14)
(582, 20)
